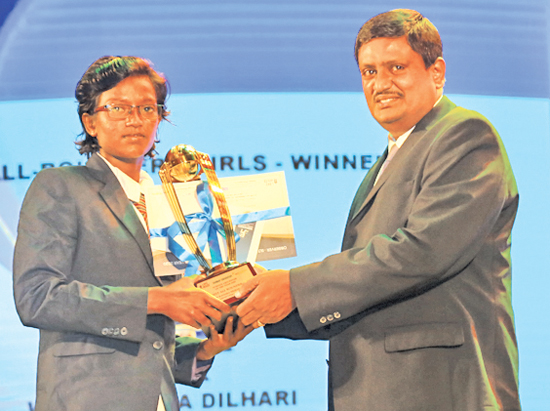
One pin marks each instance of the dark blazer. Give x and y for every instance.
(82, 268)
(417, 306)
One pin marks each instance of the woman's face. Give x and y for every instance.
(125, 140)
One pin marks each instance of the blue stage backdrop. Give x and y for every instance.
(272, 86)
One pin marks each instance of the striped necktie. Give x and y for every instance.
(140, 206)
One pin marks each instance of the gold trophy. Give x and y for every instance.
(184, 164)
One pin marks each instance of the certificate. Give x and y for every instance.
(260, 213)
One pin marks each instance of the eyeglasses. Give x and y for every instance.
(122, 111)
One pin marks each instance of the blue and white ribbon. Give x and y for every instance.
(207, 228)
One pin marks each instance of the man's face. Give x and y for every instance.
(398, 87)
(125, 140)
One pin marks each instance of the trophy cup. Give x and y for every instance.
(184, 164)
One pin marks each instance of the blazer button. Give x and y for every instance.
(123, 331)
(330, 317)
(105, 331)
(337, 315)
(116, 331)
(157, 345)
(323, 320)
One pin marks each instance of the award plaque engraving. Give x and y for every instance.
(184, 164)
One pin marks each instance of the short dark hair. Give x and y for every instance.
(104, 74)
(421, 34)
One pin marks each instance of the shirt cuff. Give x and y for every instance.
(200, 368)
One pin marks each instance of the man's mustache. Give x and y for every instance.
(385, 94)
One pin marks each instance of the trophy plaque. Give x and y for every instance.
(184, 164)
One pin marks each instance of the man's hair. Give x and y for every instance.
(104, 74)
(421, 34)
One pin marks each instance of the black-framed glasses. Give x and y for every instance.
(122, 111)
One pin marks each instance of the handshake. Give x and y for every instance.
(267, 299)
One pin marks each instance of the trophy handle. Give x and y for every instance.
(217, 192)
(170, 193)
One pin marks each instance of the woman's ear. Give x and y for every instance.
(89, 124)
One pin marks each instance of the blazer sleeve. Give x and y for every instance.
(463, 185)
(47, 296)
(293, 328)
(188, 370)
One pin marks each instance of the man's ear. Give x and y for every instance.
(89, 124)
(438, 72)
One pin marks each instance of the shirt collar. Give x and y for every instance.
(131, 187)
(392, 141)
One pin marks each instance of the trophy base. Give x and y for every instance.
(223, 282)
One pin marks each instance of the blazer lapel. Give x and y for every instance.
(393, 165)
(365, 187)
(440, 110)
(116, 200)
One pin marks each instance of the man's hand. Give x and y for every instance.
(270, 301)
(217, 342)
(183, 302)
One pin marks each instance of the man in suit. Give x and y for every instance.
(83, 267)
(417, 305)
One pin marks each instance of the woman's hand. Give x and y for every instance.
(217, 342)
(183, 302)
